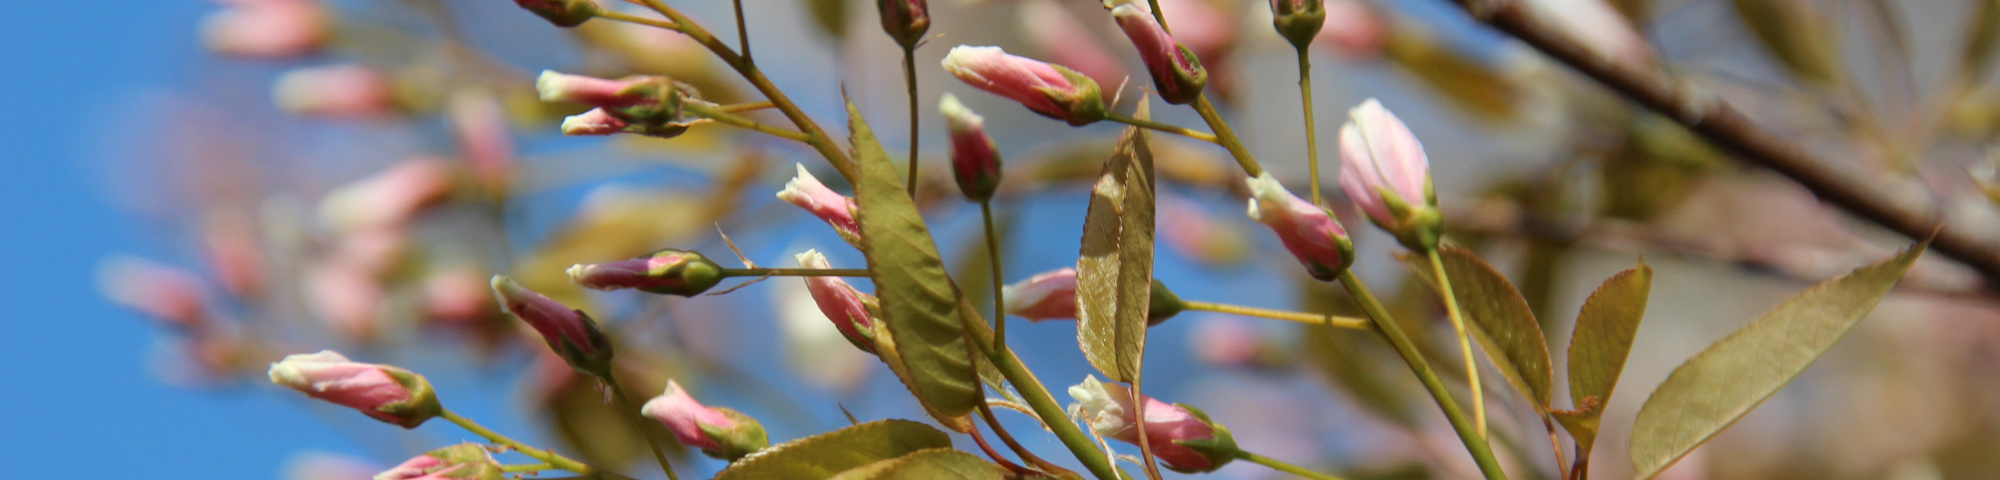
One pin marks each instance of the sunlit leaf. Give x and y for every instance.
(939, 464)
(1732, 376)
(1502, 322)
(828, 454)
(920, 305)
(1598, 348)
(1114, 275)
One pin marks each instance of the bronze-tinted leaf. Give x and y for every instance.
(1114, 274)
(937, 463)
(1598, 347)
(1502, 322)
(828, 454)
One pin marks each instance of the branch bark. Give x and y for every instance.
(1891, 202)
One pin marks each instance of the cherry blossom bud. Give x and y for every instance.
(905, 20)
(1308, 231)
(849, 309)
(718, 431)
(1051, 295)
(389, 394)
(387, 199)
(1181, 437)
(595, 122)
(1059, 35)
(1177, 73)
(272, 29)
(562, 13)
(172, 296)
(665, 272)
(1050, 90)
(975, 160)
(465, 461)
(1299, 21)
(355, 92)
(555, 86)
(1384, 170)
(647, 105)
(569, 332)
(837, 210)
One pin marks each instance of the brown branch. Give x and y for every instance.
(1892, 203)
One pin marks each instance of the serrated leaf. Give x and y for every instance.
(938, 464)
(920, 305)
(1725, 381)
(1604, 332)
(1502, 322)
(1114, 275)
(828, 454)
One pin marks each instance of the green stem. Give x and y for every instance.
(621, 17)
(1164, 127)
(1281, 466)
(910, 80)
(1046, 409)
(533, 467)
(1312, 134)
(1464, 341)
(745, 107)
(719, 115)
(1226, 137)
(625, 403)
(550, 457)
(1482, 452)
(993, 255)
(793, 272)
(1289, 316)
(742, 32)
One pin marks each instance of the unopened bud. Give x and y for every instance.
(1181, 437)
(465, 461)
(387, 393)
(851, 311)
(805, 191)
(1384, 170)
(665, 272)
(1311, 233)
(975, 160)
(905, 20)
(718, 431)
(647, 104)
(1299, 21)
(562, 13)
(1051, 295)
(569, 332)
(1050, 90)
(1177, 73)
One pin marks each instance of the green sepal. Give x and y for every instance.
(597, 362)
(472, 460)
(1298, 26)
(1163, 304)
(1188, 84)
(696, 273)
(1084, 106)
(1219, 448)
(746, 437)
(422, 405)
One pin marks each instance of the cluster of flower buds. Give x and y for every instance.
(570, 333)
(665, 272)
(1177, 73)
(562, 13)
(465, 461)
(851, 311)
(1384, 170)
(1309, 231)
(1299, 21)
(387, 393)
(648, 105)
(1051, 295)
(905, 20)
(975, 159)
(268, 28)
(719, 432)
(1051, 90)
(837, 210)
(1180, 436)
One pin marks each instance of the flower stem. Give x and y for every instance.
(742, 32)
(1046, 409)
(1476, 445)
(621, 17)
(794, 272)
(639, 420)
(745, 107)
(993, 254)
(910, 80)
(1312, 134)
(1164, 127)
(1226, 137)
(1289, 316)
(551, 457)
(533, 467)
(718, 114)
(1464, 342)
(1281, 466)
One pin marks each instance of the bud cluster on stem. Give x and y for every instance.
(1050, 90)
(387, 393)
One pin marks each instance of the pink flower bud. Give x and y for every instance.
(1047, 295)
(170, 295)
(562, 13)
(1308, 231)
(595, 122)
(465, 461)
(719, 432)
(849, 309)
(479, 123)
(272, 29)
(1177, 73)
(837, 210)
(975, 160)
(387, 393)
(555, 86)
(1353, 29)
(569, 332)
(387, 199)
(1050, 90)
(1181, 437)
(1059, 35)
(1384, 171)
(1298, 20)
(353, 92)
(665, 272)
(646, 105)
(905, 20)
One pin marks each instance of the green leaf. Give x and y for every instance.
(1598, 348)
(938, 463)
(1114, 275)
(926, 345)
(1732, 376)
(829, 454)
(1502, 322)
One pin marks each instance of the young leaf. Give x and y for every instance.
(928, 350)
(828, 454)
(937, 463)
(1732, 376)
(1114, 275)
(1502, 322)
(1603, 335)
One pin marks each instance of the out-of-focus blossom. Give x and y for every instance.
(905, 20)
(1310, 232)
(1299, 21)
(376, 252)
(1385, 172)
(562, 13)
(1233, 342)
(1047, 295)
(568, 331)
(1177, 71)
(480, 124)
(1068, 42)
(1599, 27)
(348, 91)
(235, 252)
(465, 461)
(328, 466)
(387, 199)
(850, 310)
(389, 394)
(718, 431)
(346, 298)
(267, 28)
(975, 160)
(837, 210)
(1353, 29)
(171, 295)
(1181, 437)
(457, 295)
(1050, 90)
(665, 272)
(1208, 28)
(820, 355)
(1188, 229)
